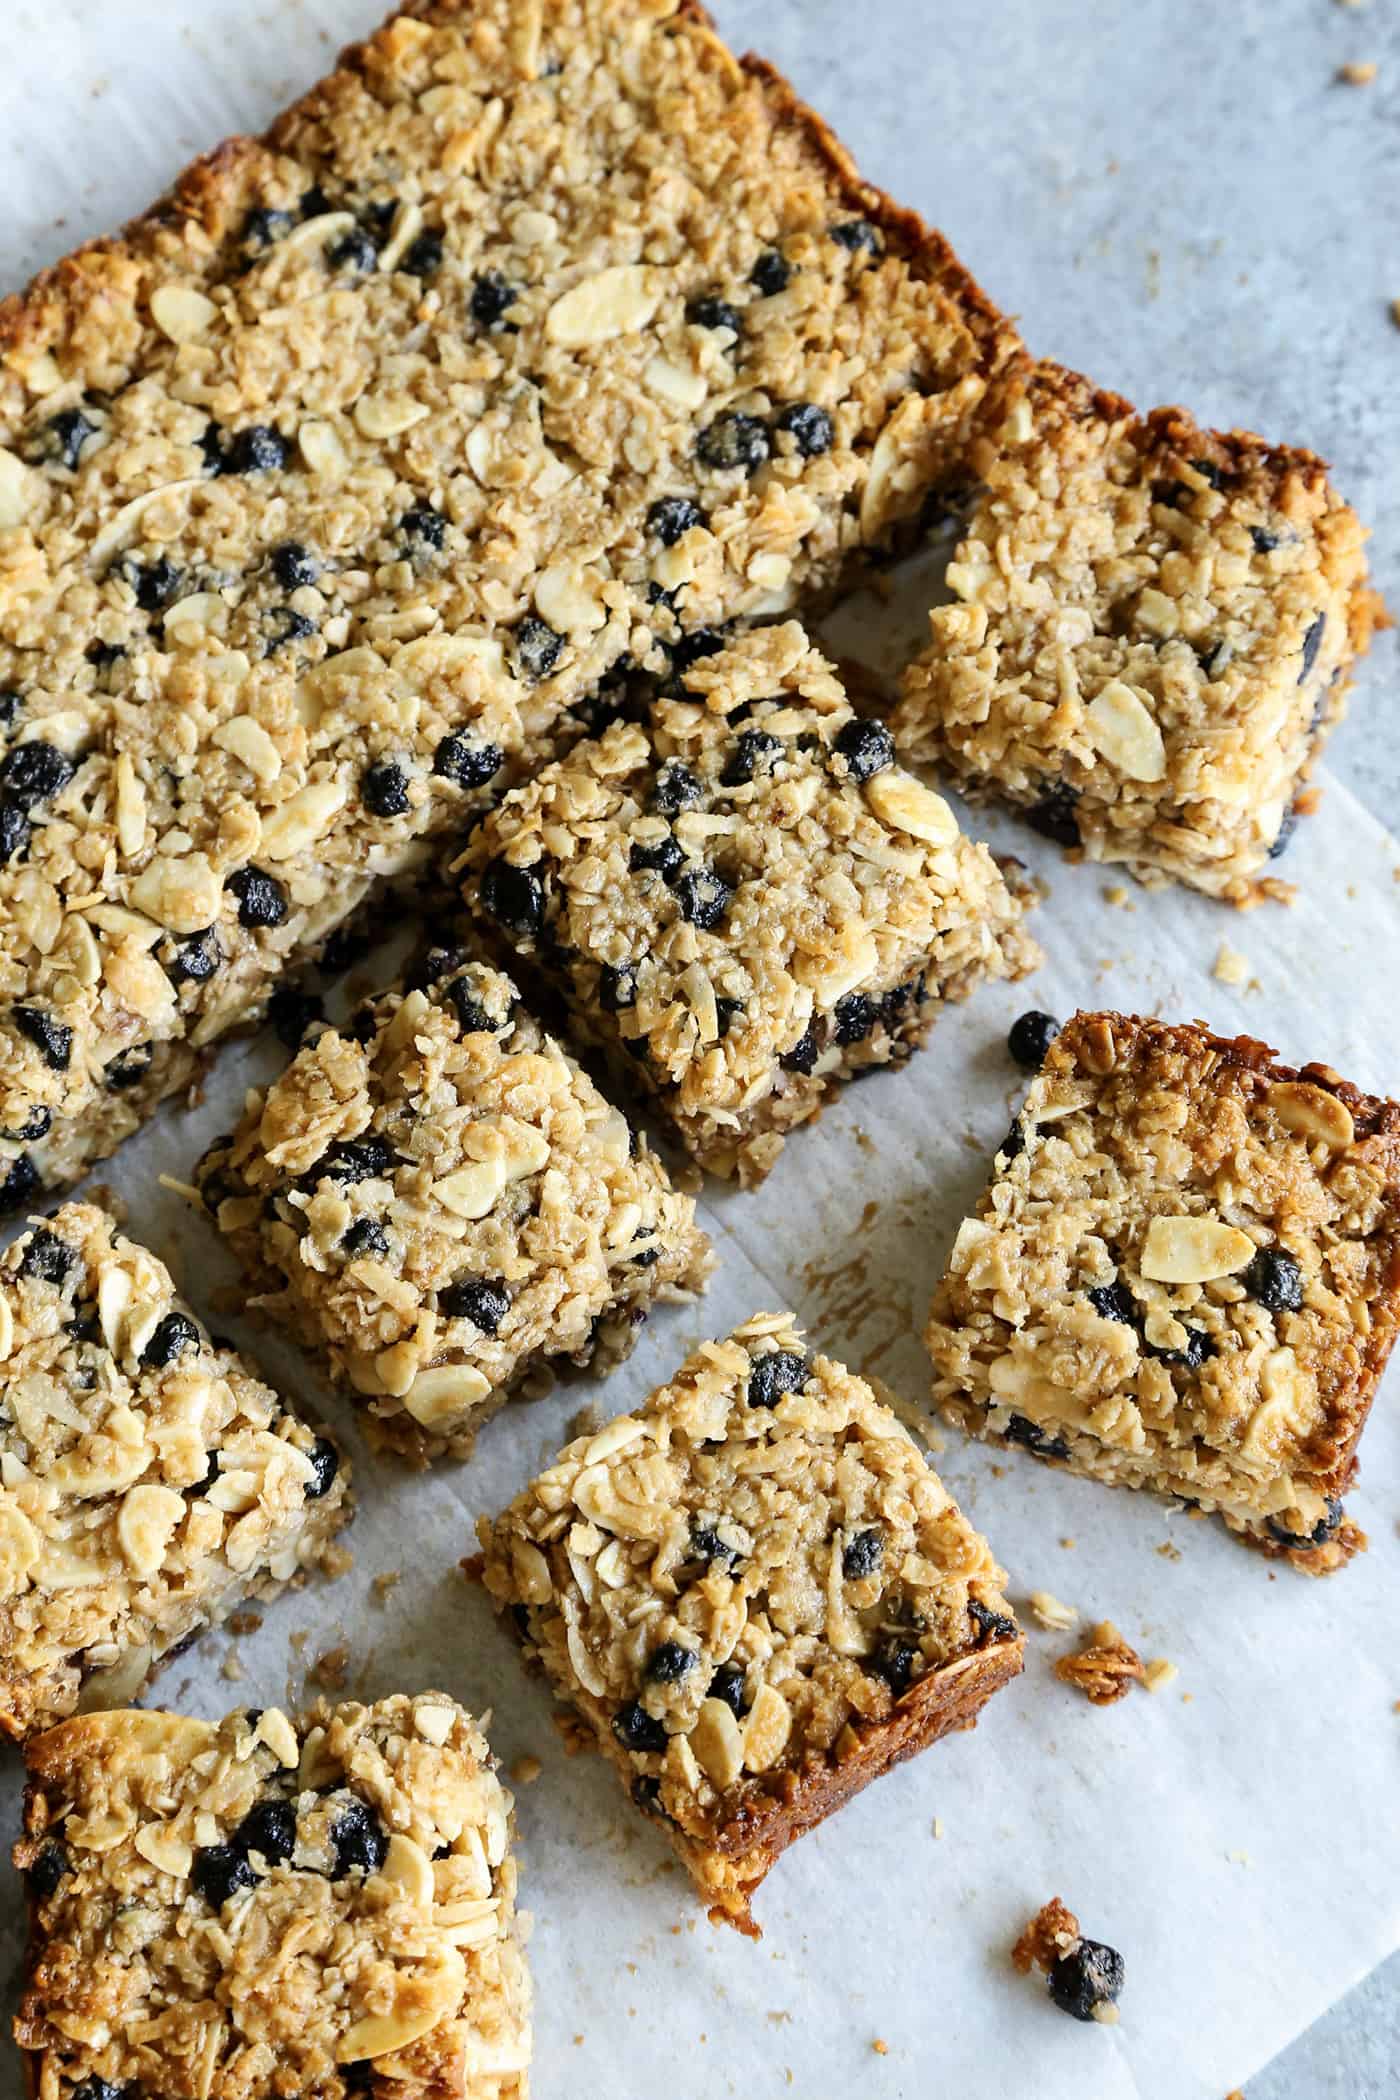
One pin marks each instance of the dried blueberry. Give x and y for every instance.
(862, 1555)
(211, 446)
(854, 1017)
(423, 256)
(1264, 540)
(358, 1839)
(734, 440)
(293, 565)
(365, 1237)
(895, 1661)
(196, 959)
(635, 1729)
(671, 517)
(466, 760)
(353, 1159)
(866, 747)
(1199, 1349)
(810, 428)
(675, 788)
(1114, 1301)
(1312, 642)
(9, 706)
(703, 898)
(1090, 1975)
(857, 235)
(37, 1123)
(155, 584)
(1013, 1145)
(220, 1871)
(476, 1299)
(513, 896)
(1034, 1439)
(261, 899)
(666, 858)
(726, 1013)
(1031, 1036)
(803, 1055)
(21, 1178)
(286, 625)
(708, 311)
(1283, 836)
(96, 2088)
(781, 1371)
(991, 1625)
(48, 1871)
(537, 648)
(292, 1012)
(729, 1684)
(1275, 1280)
(271, 1829)
(1055, 815)
(617, 987)
(34, 772)
(130, 1068)
(14, 832)
(755, 753)
(355, 251)
(260, 449)
(770, 274)
(472, 1017)
(492, 299)
(325, 1464)
(1208, 471)
(707, 1545)
(1305, 1541)
(69, 431)
(171, 1337)
(384, 789)
(693, 647)
(424, 524)
(102, 655)
(669, 1662)
(52, 1037)
(264, 225)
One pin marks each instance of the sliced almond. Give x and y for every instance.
(472, 1190)
(616, 301)
(247, 741)
(717, 1743)
(445, 1393)
(277, 1732)
(566, 596)
(297, 823)
(531, 1571)
(381, 416)
(7, 1329)
(619, 1435)
(526, 1150)
(766, 1730)
(20, 1547)
(423, 1995)
(130, 806)
(851, 960)
(182, 893)
(1123, 732)
(115, 1291)
(1311, 1112)
(16, 487)
(898, 799)
(321, 447)
(146, 1523)
(434, 1720)
(408, 1866)
(181, 312)
(167, 1851)
(1193, 1250)
(681, 385)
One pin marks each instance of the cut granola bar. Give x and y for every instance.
(757, 1595)
(1151, 634)
(149, 1480)
(272, 1910)
(745, 895)
(1184, 1275)
(528, 340)
(440, 1200)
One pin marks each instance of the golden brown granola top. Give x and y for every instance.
(149, 1480)
(745, 893)
(266, 1907)
(731, 1584)
(1150, 635)
(440, 1198)
(328, 487)
(1105, 1669)
(1184, 1274)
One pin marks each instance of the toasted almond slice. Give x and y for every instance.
(321, 447)
(167, 1851)
(1193, 1250)
(899, 799)
(381, 416)
(717, 1743)
(1311, 1112)
(20, 1548)
(767, 1729)
(617, 1436)
(181, 312)
(407, 1865)
(447, 1391)
(146, 1522)
(277, 1732)
(615, 301)
(1125, 734)
(304, 818)
(472, 1190)
(526, 1150)
(16, 489)
(423, 1995)
(182, 893)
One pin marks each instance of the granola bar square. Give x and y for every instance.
(1152, 631)
(743, 898)
(1184, 1275)
(267, 1907)
(149, 1479)
(439, 1200)
(757, 1595)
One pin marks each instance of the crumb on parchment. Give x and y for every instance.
(1105, 1670)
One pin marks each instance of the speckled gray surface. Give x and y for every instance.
(1176, 195)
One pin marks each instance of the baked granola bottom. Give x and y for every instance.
(269, 1909)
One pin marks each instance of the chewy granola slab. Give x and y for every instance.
(1151, 634)
(532, 338)
(149, 1480)
(438, 1199)
(262, 1909)
(758, 1596)
(1184, 1275)
(744, 894)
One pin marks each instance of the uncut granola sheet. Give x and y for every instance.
(1231, 1845)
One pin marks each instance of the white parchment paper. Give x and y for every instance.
(1234, 1836)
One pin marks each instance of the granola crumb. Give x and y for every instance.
(231, 1668)
(1053, 1931)
(1104, 1670)
(1117, 894)
(1159, 1673)
(240, 1622)
(331, 1669)
(384, 1584)
(1068, 1545)
(938, 1820)
(880, 2046)
(1168, 1551)
(1395, 317)
(585, 1421)
(1049, 1612)
(1083, 1976)
(339, 1561)
(1358, 72)
(1230, 967)
(526, 1770)
(573, 1733)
